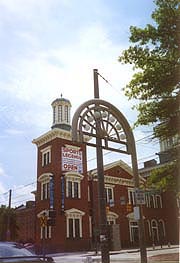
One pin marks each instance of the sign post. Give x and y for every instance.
(43, 223)
(140, 196)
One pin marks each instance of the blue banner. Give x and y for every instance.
(51, 192)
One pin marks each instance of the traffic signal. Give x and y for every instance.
(51, 218)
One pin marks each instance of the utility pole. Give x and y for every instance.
(104, 237)
(105, 123)
(8, 233)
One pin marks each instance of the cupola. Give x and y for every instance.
(61, 113)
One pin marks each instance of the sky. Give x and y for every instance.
(49, 48)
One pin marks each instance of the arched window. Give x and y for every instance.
(44, 180)
(152, 201)
(162, 231)
(155, 232)
(158, 201)
(74, 223)
(111, 218)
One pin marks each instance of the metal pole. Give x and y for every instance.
(96, 84)
(142, 241)
(101, 190)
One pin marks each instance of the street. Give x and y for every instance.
(130, 256)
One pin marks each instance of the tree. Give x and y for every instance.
(7, 215)
(155, 55)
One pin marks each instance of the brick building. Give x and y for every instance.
(65, 186)
(26, 222)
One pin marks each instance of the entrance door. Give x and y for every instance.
(134, 232)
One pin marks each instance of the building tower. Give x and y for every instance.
(61, 113)
(62, 186)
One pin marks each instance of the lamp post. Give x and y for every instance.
(109, 130)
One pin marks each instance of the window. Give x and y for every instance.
(46, 159)
(109, 194)
(60, 113)
(46, 156)
(162, 232)
(131, 196)
(44, 190)
(66, 109)
(74, 223)
(70, 222)
(44, 180)
(77, 227)
(46, 232)
(73, 184)
(76, 190)
(158, 201)
(151, 201)
(69, 189)
(74, 227)
(147, 200)
(134, 232)
(111, 218)
(155, 232)
(73, 189)
(54, 114)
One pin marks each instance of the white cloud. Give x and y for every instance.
(2, 172)
(38, 80)
(14, 132)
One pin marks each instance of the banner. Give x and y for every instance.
(72, 159)
(51, 192)
(62, 194)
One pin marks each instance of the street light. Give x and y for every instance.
(110, 130)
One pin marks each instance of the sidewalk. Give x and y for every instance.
(157, 255)
(173, 257)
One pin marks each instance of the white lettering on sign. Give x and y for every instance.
(72, 159)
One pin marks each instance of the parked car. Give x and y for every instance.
(15, 252)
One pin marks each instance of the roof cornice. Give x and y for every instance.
(120, 163)
(52, 134)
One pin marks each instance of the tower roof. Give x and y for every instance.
(61, 100)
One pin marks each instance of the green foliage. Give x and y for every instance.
(164, 178)
(155, 55)
(7, 215)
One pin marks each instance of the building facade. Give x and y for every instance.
(67, 210)
(160, 226)
(62, 185)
